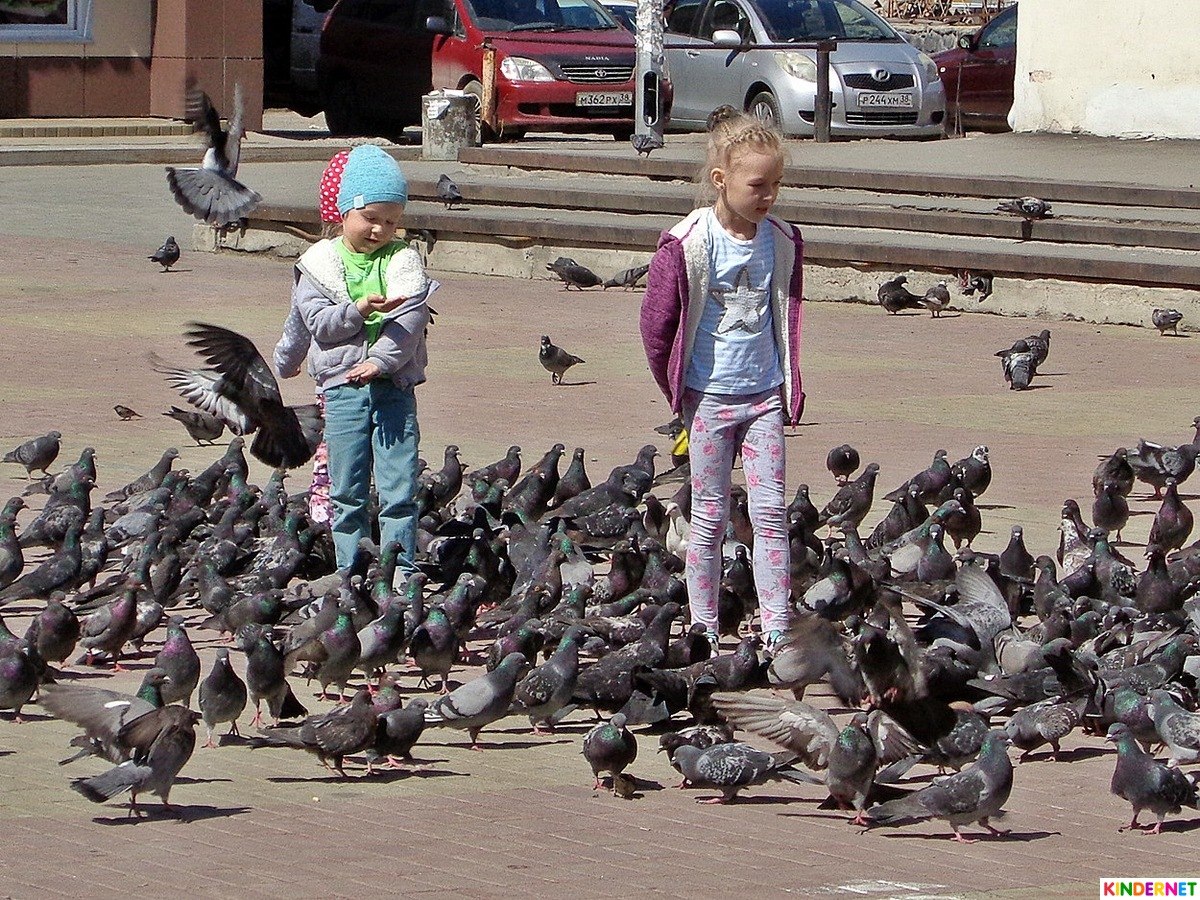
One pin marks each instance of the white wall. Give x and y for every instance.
(1126, 68)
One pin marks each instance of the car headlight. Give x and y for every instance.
(928, 66)
(518, 68)
(797, 65)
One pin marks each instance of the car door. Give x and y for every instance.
(680, 56)
(989, 69)
(712, 76)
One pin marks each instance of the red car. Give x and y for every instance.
(978, 75)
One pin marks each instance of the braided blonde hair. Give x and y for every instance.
(731, 133)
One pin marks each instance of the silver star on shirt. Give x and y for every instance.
(741, 303)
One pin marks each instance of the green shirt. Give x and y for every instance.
(365, 275)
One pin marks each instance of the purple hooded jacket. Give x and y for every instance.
(677, 288)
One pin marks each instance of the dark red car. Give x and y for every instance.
(978, 75)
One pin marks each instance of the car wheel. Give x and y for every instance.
(343, 115)
(474, 89)
(764, 107)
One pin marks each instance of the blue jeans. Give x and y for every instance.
(372, 428)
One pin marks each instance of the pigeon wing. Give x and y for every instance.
(792, 724)
(205, 389)
(233, 355)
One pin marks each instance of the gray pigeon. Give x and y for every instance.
(1145, 782)
(222, 696)
(396, 731)
(549, 687)
(894, 296)
(212, 192)
(479, 702)
(936, 299)
(1028, 208)
(574, 275)
(555, 360)
(1178, 728)
(627, 278)
(448, 192)
(181, 663)
(729, 768)
(1166, 320)
(609, 747)
(166, 255)
(203, 427)
(1019, 365)
(645, 144)
(1046, 722)
(331, 736)
(160, 743)
(37, 453)
(976, 794)
(102, 713)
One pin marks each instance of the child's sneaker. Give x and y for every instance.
(714, 641)
(772, 642)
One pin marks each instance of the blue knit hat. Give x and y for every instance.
(371, 176)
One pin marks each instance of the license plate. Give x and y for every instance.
(604, 98)
(872, 99)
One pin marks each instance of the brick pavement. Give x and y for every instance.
(520, 817)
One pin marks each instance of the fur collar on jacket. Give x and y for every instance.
(323, 265)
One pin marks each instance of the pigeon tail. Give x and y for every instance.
(115, 781)
(211, 196)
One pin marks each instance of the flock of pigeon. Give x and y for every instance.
(571, 595)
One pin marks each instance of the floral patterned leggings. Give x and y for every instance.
(717, 424)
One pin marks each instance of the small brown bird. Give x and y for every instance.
(126, 413)
(555, 360)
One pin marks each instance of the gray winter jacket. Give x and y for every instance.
(325, 325)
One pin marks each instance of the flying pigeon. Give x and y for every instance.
(574, 275)
(126, 413)
(240, 388)
(448, 192)
(212, 192)
(1028, 208)
(1165, 319)
(166, 255)
(627, 278)
(37, 453)
(555, 360)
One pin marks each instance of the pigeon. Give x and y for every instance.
(241, 388)
(109, 627)
(645, 144)
(448, 192)
(37, 453)
(181, 663)
(396, 731)
(555, 360)
(55, 630)
(20, 669)
(628, 278)
(166, 255)
(976, 794)
(222, 696)
(1039, 345)
(1028, 208)
(729, 768)
(266, 678)
(936, 299)
(59, 571)
(842, 462)
(203, 427)
(609, 747)
(212, 192)
(544, 691)
(574, 275)
(102, 713)
(982, 282)
(573, 482)
(894, 296)
(434, 647)
(1154, 463)
(1172, 523)
(479, 702)
(1146, 783)
(1045, 722)
(1166, 320)
(125, 413)
(852, 502)
(331, 736)
(1178, 728)
(1019, 365)
(160, 742)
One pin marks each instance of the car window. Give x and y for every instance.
(395, 13)
(725, 15)
(682, 16)
(541, 15)
(804, 21)
(1001, 31)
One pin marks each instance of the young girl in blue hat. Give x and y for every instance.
(359, 311)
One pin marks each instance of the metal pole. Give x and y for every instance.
(648, 118)
(823, 108)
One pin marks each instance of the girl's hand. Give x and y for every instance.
(362, 373)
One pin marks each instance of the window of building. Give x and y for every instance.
(45, 20)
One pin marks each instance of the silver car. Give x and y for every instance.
(881, 85)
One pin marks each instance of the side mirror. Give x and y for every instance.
(968, 41)
(727, 38)
(438, 25)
